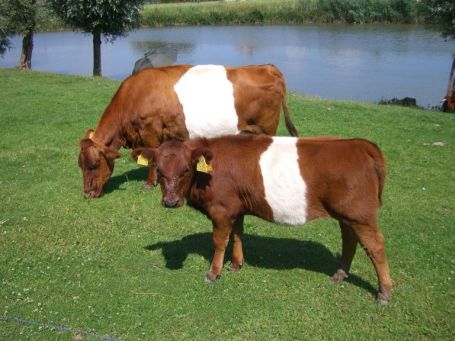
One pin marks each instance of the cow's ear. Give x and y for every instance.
(86, 143)
(147, 153)
(202, 151)
(88, 134)
(111, 153)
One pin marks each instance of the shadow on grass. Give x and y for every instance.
(138, 174)
(263, 252)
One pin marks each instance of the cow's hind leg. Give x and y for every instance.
(348, 249)
(372, 242)
(237, 248)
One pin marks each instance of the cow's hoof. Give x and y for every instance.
(209, 278)
(383, 299)
(149, 185)
(235, 267)
(339, 276)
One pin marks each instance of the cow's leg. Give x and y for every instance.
(372, 242)
(152, 178)
(348, 248)
(221, 230)
(150, 139)
(237, 248)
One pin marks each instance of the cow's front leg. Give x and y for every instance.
(152, 178)
(151, 138)
(237, 248)
(221, 231)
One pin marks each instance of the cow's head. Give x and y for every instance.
(97, 163)
(176, 165)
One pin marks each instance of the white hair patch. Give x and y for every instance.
(285, 189)
(207, 97)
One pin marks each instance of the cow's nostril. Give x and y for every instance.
(89, 195)
(171, 203)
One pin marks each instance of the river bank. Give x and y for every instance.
(281, 12)
(257, 12)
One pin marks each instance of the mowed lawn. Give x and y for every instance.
(124, 267)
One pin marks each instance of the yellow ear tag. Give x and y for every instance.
(142, 161)
(203, 167)
(90, 135)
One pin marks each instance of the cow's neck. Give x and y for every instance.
(194, 198)
(108, 131)
(196, 195)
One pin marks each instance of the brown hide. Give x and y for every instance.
(448, 104)
(344, 179)
(145, 111)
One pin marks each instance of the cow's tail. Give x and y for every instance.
(379, 167)
(287, 118)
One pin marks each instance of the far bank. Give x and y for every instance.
(282, 12)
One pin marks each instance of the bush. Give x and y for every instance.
(281, 11)
(361, 11)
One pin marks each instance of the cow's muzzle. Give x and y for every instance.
(172, 203)
(93, 194)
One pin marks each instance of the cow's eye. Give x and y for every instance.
(93, 166)
(160, 174)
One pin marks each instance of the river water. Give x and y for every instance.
(355, 62)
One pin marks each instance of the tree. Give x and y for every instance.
(19, 17)
(442, 13)
(4, 29)
(111, 18)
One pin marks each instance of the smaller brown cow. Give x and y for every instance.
(181, 102)
(281, 179)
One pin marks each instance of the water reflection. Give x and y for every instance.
(146, 45)
(158, 53)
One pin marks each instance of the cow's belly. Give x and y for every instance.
(285, 189)
(207, 98)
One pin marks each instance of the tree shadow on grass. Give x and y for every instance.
(138, 174)
(263, 252)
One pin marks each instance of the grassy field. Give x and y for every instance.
(280, 12)
(123, 267)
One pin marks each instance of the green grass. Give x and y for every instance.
(124, 266)
(280, 12)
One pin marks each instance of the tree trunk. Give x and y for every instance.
(450, 87)
(27, 49)
(96, 53)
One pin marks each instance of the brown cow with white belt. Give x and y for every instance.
(280, 179)
(181, 102)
